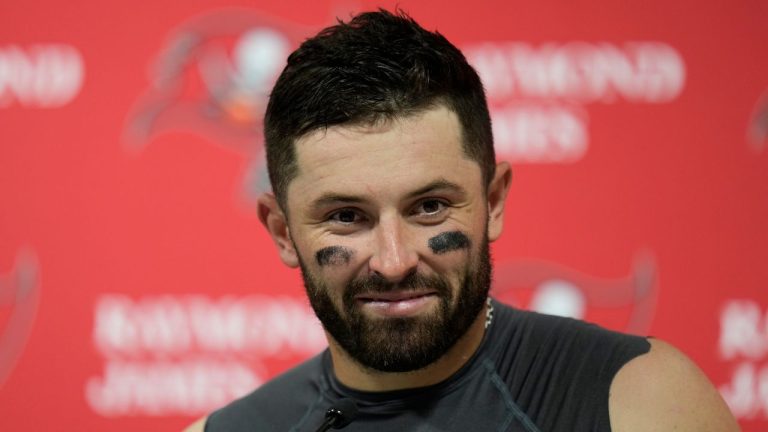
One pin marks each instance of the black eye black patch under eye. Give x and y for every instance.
(333, 255)
(448, 241)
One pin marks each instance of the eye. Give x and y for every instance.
(430, 207)
(346, 216)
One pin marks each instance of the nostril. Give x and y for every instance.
(393, 277)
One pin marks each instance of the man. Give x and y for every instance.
(386, 195)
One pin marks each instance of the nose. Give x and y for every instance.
(393, 256)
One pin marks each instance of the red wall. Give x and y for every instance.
(138, 290)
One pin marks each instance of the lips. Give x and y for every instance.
(393, 296)
(398, 303)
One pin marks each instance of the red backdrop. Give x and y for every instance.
(138, 290)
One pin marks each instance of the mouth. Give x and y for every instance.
(397, 303)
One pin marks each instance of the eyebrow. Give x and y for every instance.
(438, 185)
(329, 199)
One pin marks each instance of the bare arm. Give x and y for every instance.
(198, 426)
(665, 391)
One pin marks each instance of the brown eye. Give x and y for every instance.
(345, 216)
(430, 207)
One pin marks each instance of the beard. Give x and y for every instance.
(405, 343)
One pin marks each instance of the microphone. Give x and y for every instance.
(339, 415)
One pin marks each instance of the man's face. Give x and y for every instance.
(389, 223)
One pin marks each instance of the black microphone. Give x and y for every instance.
(339, 415)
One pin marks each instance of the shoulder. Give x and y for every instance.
(577, 361)
(275, 406)
(532, 336)
(197, 426)
(664, 390)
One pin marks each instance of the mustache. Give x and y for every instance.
(378, 284)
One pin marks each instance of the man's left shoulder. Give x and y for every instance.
(573, 340)
(663, 390)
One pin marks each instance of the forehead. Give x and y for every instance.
(382, 160)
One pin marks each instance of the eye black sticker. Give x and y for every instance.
(333, 255)
(448, 241)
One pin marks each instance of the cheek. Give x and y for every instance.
(449, 241)
(334, 256)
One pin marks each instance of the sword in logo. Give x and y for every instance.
(19, 299)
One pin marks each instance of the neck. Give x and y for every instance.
(352, 374)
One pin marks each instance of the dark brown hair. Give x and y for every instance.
(377, 66)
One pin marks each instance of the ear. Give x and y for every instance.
(497, 197)
(276, 223)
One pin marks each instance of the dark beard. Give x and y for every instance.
(403, 344)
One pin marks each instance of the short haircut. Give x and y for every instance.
(378, 66)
